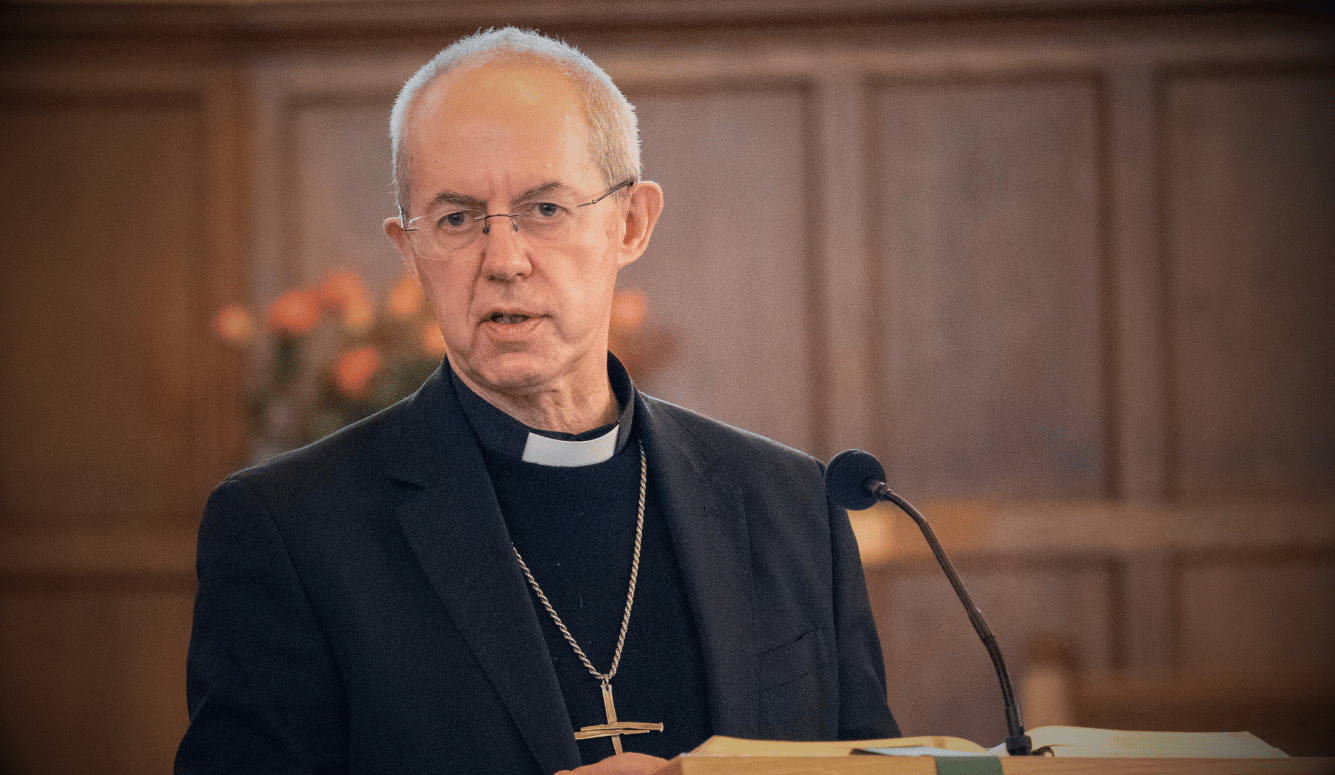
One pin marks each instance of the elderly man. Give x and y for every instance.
(527, 565)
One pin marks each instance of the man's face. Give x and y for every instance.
(520, 315)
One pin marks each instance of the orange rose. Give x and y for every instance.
(233, 324)
(405, 298)
(629, 308)
(358, 314)
(294, 312)
(341, 288)
(433, 342)
(353, 370)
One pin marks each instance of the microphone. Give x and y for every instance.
(856, 480)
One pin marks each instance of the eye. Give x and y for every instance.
(455, 220)
(546, 209)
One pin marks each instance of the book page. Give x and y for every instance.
(735, 746)
(1083, 741)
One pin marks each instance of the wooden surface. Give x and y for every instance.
(118, 415)
(688, 764)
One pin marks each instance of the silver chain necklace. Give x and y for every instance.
(612, 728)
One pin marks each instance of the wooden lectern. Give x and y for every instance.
(712, 764)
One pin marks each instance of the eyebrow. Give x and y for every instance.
(467, 202)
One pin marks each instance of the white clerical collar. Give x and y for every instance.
(546, 451)
(501, 433)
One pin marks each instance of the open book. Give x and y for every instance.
(1063, 741)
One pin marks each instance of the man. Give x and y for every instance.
(526, 565)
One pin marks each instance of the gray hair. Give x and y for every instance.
(613, 130)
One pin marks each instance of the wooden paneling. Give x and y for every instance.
(1138, 424)
(1286, 598)
(1295, 712)
(337, 176)
(92, 674)
(122, 197)
(99, 308)
(990, 293)
(940, 678)
(1251, 633)
(1249, 171)
(321, 173)
(730, 265)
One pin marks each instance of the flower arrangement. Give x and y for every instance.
(334, 356)
(643, 347)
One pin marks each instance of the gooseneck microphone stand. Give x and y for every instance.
(855, 480)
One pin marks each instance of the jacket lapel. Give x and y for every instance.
(707, 520)
(455, 527)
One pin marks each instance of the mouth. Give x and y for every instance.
(508, 318)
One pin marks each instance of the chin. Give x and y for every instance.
(514, 373)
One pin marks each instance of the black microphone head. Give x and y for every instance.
(846, 478)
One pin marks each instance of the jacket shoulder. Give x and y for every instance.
(712, 439)
(314, 460)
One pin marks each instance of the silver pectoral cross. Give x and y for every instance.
(613, 728)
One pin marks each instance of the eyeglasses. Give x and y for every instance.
(449, 229)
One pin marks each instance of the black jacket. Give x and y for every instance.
(360, 608)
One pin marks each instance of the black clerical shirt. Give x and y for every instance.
(575, 528)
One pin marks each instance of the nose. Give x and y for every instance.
(504, 254)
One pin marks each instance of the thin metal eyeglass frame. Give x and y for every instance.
(486, 224)
(514, 225)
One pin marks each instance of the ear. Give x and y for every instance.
(394, 230)
(646, 204)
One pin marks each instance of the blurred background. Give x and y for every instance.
(1066, 266)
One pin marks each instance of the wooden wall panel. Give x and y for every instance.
(100, 306)
(940, 678)
(729, 269)
(1251, 632)
(321, 167)
(121, 205)
(990, 334)
(1260, 611)
(92, 675)
(336, 149)
(1249, 173)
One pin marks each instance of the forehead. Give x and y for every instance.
(499, 122)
